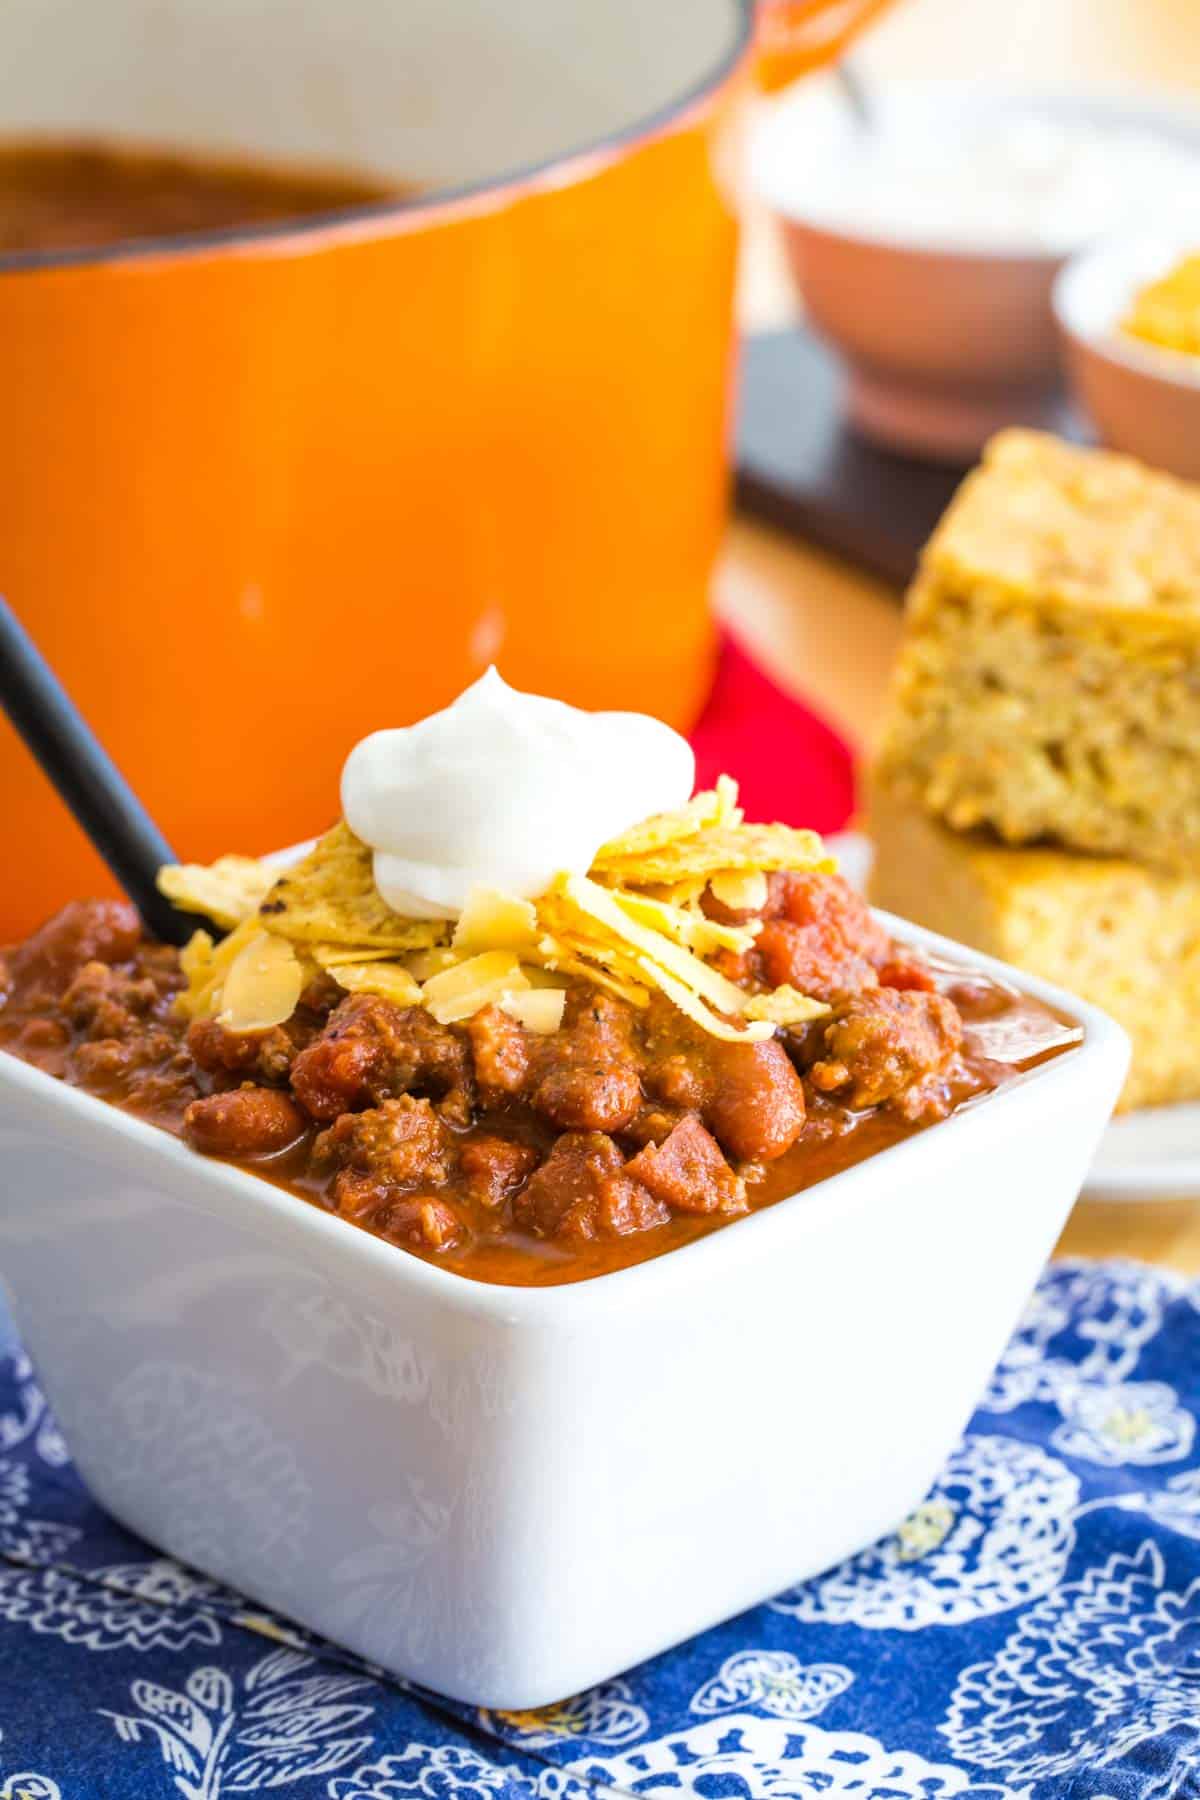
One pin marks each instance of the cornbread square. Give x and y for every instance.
(1123, 936)
(1049, 683)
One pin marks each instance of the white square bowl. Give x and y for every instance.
(508, 1494)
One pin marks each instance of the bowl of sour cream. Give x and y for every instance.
(925, 246)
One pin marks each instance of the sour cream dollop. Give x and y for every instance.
(504, 790)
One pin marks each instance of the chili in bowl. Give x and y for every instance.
(511, 1285)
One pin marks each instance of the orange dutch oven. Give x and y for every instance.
(264, 490)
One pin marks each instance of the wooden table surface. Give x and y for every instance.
(830, 633)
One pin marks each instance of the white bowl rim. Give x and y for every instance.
(1177, 117)
(1128, 260)
(582, 1302)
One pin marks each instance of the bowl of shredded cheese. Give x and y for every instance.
(1129, 314)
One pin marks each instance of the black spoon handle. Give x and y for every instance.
(86, 777)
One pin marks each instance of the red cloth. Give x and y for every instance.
(790, 764)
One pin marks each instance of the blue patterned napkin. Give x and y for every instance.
(1033, 1630)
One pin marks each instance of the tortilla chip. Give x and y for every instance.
(662, 828)
(226, 891)
(715, 806)
(720, 850)
(635, 926)
(335, 956)
(331, 898)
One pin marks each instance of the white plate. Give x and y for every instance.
(1148, 1155)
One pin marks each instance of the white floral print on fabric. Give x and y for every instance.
(277, 1726)
(1086, 1322)
(29, 1540)
(749, 1758)
(605, 1715)
(28, 1786)
(1137, 1422)
(1019, 1375)
(138, 1606)
(774, 1681)
(1106, 1664)
(425, 1772)
(1176, 1506)
(995, 1533)
(30, 1420)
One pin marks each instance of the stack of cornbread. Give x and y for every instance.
(1037, 791)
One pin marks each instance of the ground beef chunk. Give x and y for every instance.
(582, 1192)
(584, 1077)
(682, 1078)
(624, 1206)
(589, 1096)
(395, 1147)
(118, 1064)
(748, 1095)
(85, 931)
(494, 1167)
(503, 1053)
(104, 1002)
(651, 1125)
(423, 1221)
(433, 1059)
(820, 937)
(38, 1038)
(372, 1050)
(267, 1055)
(887, 1048)
(589, 1073)
(598, 1026)
(250, 1121)
(688, 1171)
